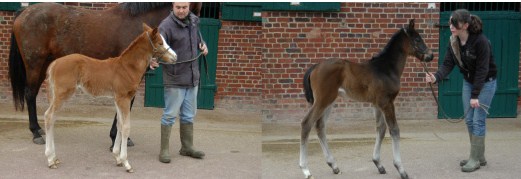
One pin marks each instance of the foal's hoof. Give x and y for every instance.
(131, 170)
(310, 177)
(404, 175)
(119, 164)
(336, 171)
(39, 140)
(54, 164)
(381, 170)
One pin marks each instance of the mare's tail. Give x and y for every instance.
(307, 85)
(17, 72)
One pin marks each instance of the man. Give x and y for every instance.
(181, 31)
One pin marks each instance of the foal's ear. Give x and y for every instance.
(146, 27)
(155, 31)
(411, 24)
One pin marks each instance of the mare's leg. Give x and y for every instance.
(114, 129)
(390, 119)
(380, 134)
(34, 81)
(117, 142)
(123, 106)
(321, 132)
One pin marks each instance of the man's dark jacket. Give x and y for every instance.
(183, 38)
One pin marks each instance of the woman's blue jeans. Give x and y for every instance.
(476, 117)
(182, 101)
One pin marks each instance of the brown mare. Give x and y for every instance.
(376, 81)
(46, 31)
(117, 77)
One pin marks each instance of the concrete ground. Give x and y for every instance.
(230, 139)
(238, 146)
(430, 149)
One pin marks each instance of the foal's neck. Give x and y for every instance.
(134, 59)
(393, 56)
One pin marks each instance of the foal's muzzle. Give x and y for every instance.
(425, 56)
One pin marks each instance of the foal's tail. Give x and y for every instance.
(17, 72)
(307, 85)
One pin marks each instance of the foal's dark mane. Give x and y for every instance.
(390, 55)
(137, 8)
(389, 46)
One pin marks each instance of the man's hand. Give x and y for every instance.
(203, 48)
(153, 64)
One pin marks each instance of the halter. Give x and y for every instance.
(415, 47)
(157, 51)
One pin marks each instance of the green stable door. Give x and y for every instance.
(205, 99)
(503, 30)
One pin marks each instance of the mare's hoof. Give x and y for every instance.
(130, 143)
(119, 164)
(39, 140)
(336, 171)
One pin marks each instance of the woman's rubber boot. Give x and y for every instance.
(186, 133)
(164, 153)
(481, 157)
(475, 150)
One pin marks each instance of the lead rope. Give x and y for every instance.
(191, 60)
(452, 120)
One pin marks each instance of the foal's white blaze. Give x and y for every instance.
(166, 46)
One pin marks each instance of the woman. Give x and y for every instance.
(471, 51)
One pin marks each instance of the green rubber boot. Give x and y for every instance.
(186, 133)
(164, 153)
(476, 149)
(481, 157)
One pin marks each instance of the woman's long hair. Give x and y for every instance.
(464, 16)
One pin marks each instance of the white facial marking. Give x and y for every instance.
(166, 46)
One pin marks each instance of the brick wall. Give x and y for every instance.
(6, 22)
(238, 75)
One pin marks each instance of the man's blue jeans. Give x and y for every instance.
(182, 101)
(476, 117)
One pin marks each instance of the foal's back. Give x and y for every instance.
(93, 76)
